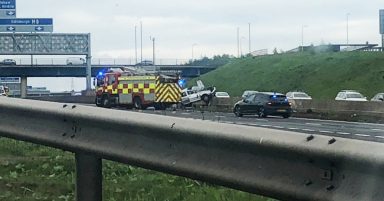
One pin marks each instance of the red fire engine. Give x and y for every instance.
(127, 88)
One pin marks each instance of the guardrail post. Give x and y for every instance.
(88, 178)
(23, 87)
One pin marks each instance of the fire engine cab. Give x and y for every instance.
(121, 87)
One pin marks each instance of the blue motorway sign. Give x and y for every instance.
(7, 4)
(10, 13)
(26, 21)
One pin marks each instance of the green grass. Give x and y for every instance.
(321, 75)
(32, 172)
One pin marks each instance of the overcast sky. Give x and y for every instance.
(210, 24)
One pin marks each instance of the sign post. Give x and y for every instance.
(7, 8)
(26, 25)
(382, 28)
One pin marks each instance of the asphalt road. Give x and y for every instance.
(353, 130)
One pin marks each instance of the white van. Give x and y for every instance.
(75, 61)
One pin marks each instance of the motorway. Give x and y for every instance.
(352, 130)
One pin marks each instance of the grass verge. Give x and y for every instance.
(33, 172)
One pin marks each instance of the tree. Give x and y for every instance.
(275, 51)
(216, 61)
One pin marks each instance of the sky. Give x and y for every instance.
(209, 27)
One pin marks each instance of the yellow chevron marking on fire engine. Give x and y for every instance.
(160, 89)
(170, 93)
(163, 92)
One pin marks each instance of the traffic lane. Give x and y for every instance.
(353, 130)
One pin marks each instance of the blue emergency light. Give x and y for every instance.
(182, 82)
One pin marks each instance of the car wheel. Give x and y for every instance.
(238, 111)
(285, 116)
(160, 106)
(137, 103)
(97, 102)
(105, 102)
(262, 113)
(205, 98)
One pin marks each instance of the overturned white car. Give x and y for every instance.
(197, 93)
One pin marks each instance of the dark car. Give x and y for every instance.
(8, 62)
(264, 104)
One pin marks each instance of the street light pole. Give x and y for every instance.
(249, 37)
(348, 28)
(135, 44)
(153, 49)
(141, 42)
(302, 37)
(238, 42)
(193, 45)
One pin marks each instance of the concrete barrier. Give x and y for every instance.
(342, 106)
(320, 109)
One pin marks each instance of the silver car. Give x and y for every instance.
(295, 95)
(248, 93)
(378, 97)
(350, 95)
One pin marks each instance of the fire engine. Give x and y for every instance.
(127, 87)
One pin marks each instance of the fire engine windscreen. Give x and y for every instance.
(168, 79)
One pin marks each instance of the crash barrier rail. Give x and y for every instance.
(275, 163)
(67, 99)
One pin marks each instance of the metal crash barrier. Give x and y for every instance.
(279, 164)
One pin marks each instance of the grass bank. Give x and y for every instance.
(321, 75)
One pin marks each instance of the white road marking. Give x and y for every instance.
(362, 135)
(265, 125)
(227, 122)
(251, 124)
(343, 133)
(262, 120)
(277, 127)
(242, 123)
(310, 130)
(293, 128)
(335, 121)
(185, 113)
(381, 137)
(375, 129)
(313, 124)
(325, 131)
